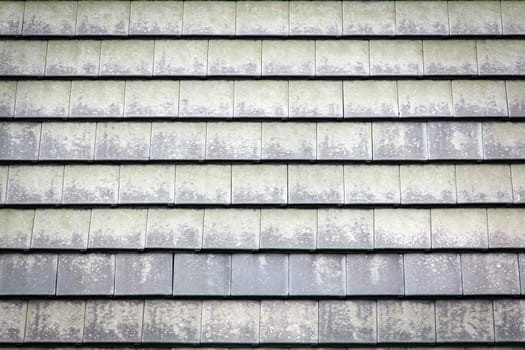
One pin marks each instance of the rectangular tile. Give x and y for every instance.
(112, 321)
(234, 57)
(374, 274)
(318, 99)
(260, 184)
(319, 274)
(12, 320)
(344, 229)
(509, 315)
(91, 184)
(19, 141)
(399, 141)
(315, 184)
(86, 274)
(97, 99)
(233, 141)
(428, 184)
(503, 140)
(67, 141)
(172, 321)
(180, 57)
(206, 99)
(454, 140)
(425, 98)
(22, 274)
(296, 141)
(231, 229)
(399, 57)
(103, 18)
(370, 98)
(451, 325)
(50, 321)
(503, 57)
(61, 229)
(402, 228)
(209, 18)
(16, 228)
(487, 274)
(170, 140)
(432, 274)
(42, 98)
(230, 321)
(468, 18)
(348, 321)
(23, 58)
(50, 18)
(483, 183)
(259, 274)
(288, 58)
(289, 321)
(459, 228)
(290, 228)
(342, 58)
(360, 18)
(261, 98)
(35, 184)
(405, 321)
(153, 98)
(344, 141)
(12, 17)
(252, 18)
(450, 57)
(160, 18)
(201, 274)
(479, 98)
(123, 141)
(150, 183)
(422, 18)
(117, 228)
(174, 228)
(506, 227)
(305, 19)
(73, 57)
(203, 184)
(367, 184)
(143, 274)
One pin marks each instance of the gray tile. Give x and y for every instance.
(143, 274)
(345, 229)
(348, 321)
(342, 58)
(479, 98)
(459, 228)
(259, 274)
(521, 262)
(515, 96)
(402, 228)
(126, 58)
(464, 321)
(509, 316)
(231, 228)
(73, 57)
(50, 321)
(103, 18)
(421, 18)
(97, 99)
(501, 57)
(203, 184)
(117, 228)
(485, 183)
(174, 228)
(212, 18)
(261, 98)
(360, 18)
(211, 98)
(184, 141)
(11, 18)
(288, 141)
(289, 321)
(86, 274)
(368, 184)
(123, 141)
(49, 18)
(261, 183)
(230, 321)
(149, 183)
(233, 141)
(61, 229)
(402, 57)
(450, 57)
(308, 184)
(172, 321)
(425, 98)
(518, 182)
(16, 228)
(202, 274)
(428, 184)
(23, 57)
(152, 98)
(35, 184)
(42, 98)
(432, 274)
(504, 140)
(19, 141)
(458, 140)
(288, 228)
(316, 99)
(7, 96)
(320, 274)
(486, 274)
(12, 320)
(305, 19)
(506, 227)
(234, 57)
(290, 57)
(3, 183)
(22, 274)
(180, 58)
(399, 141)
(370, 98)
(253, 18)
(512, 13)
(405, 321)
(67, 141)
(468, 18)
(91, 184)
(153, 18)
(374, 274)
(344, 141)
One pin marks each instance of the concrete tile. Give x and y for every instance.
(16, 228)
(73, 57)
(342, 58)
(42, 98)
(86, 274)
(174, 228)
(516, 97)
(402, 228)
(55, 321)
(370, 98)
(504, 140)
(315, 184)
(521, 262)
(19, 141)
(508, 318)
(421, 18)
(506, 227)
(260, 184)
(154, 98)
(488, 274)
(12, 320)
(202, 274)
(261, 98)
(432, 274)
(400, 321)
(103, 18)
(289, 321)
(91, 184)
(230, 321)
(170, 140)
(176, 321)
(468, 18)
(11, 17)
(371, 184)
(347, 321)
(209, 18)
(374, 274)
(123, 141)
(61, 229)
(400, 57)
(345, 229)
(259, 274)
(317, 99)
(450, 57)
(206, 99)
(234, 57)
(231, 229)
(181, 57)
(428, 184)
(126, 57)
(344, 141)
(23, 274)
(476, 98)
(7, 96)
(253, 18)
(518, 182)
(113, 321)
(360, 18)
(35, 184)
(512, 13)
(288, 228)
(3, 183)
(319, 274)
(143, 274)
(459, 228)
(97, 99)
(288, 141)
(67, 141)
(151, 183)
(305, 19)
(501, 58)
(425, 98)
(154, 18)
(23, 58)
(117, 228)
(288, 57)
(399, 141)
(203, 184)
(484, 183)
(50, 18)
(464, 321)
(233, 140)
(457, 140)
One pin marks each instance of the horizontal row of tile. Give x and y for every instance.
(262, 98)
(262, 322)
(264, 229)
(261, 184)
(261, 57)
(174, 140)
(284, 18)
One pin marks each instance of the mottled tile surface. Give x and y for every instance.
(233, 141)
(419, 98)
(291, 57)
(454, 140)
(73, 57)
(61, 229)
(22, 274)
(117, 228)
(459, 228)
(16, 228)
(264, 183)
(152, 18)
(259, 274)
(399, 141)
(252, 18)
(305, 19)
(317, 274)
(180, 57)
(55, 321)
(360, 18)
(12, 320)
(232, 321)
(151, 98)
(123, 141)
(86, 274)
(103, 18)
(97, 98)
(421, 18)
(35, 184)
(143, 274)
(490, 274)
(428, 184)
(174, 321)
(374, 274)
(370, 98)
(371, 184)
(405, 321)
(402, 228)
(432, 274)
(285, 321)
(293, 228)
(91, 184)
(42, 98)
(316, 99)
(465, 321)
(342, 58)
(206, 99)
(67, 141)
(296, 141)
(19, 141)
(147, 184)
(344, 228)
(231, 58)
(400, 57)
(344, 141)
(171, 140)
(49, 18)
(174, 228)
(231, 229)
(484, 183)
(113, 321)
(203, 184)
(202, 274)
(209, 18)
(349, 321)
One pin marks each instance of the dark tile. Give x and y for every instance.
(432, 274)
(24, 274)
(464, 321)
(405, 321)
(321, 274)
(201, 274)
(259, 274)
(12, 320)
(348, 321)
(230, 321)
(139, 274)
(172, 321)
(374, 274)
(490, 273)
(86, 274)
(509, 316)
(55, 321)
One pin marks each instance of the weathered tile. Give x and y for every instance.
(170, 140)
(456, 140)
(464, 321)
(154, 18)
(12, 320)
(371, 184)
(139, 274)
(206, 98)
(360, 18)
(484, 183)
(521, 262)
(288, 141)
(181, 57)
(231, 229)
(117, 228)
(504, 140)
(450, 57)
(7, 96)
(478, 98)
(345, 229)
(501, 57)
(305, 19)
(421, 18)
(202, 274)
(126, 57)
(339, 57)
(176, 321)
(347, 321)
(233, 140)
(109, 321)
(424, 98)
(260, 184)
(402, 228)
(61, 229)
(261, 98)
(174, 228)
(344, 141)
(42, 98)
(50, 18)
(19, 141)
(91, 184)
(509, 316)
(374, 274)
(16, 228)
(11, 17)
(402, 321)
(154, 98)
(512, 13)
(288, 228)
(123, 141)
(67, 141)
(55, 321)
(370, 98)
(97, 99)
(289, 321)
(24, 274)
(428, 184)
(469, 18)
(432, 274)
(259, 274)
(230, 321)
(73, 57)
(288, 57)
(399, 141)
(234, 57)
(209, 18)
(518, 182)
(399, 57)
(506, 227)
(35, 184)
(103, 18)
(490, 274)
(317, 99)
(253, 18)
(3, 183)
(459, 228)
(86, 274)
(152, 183)
(319, 274)
(315, 184)
(23, 57)
(203, 184)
